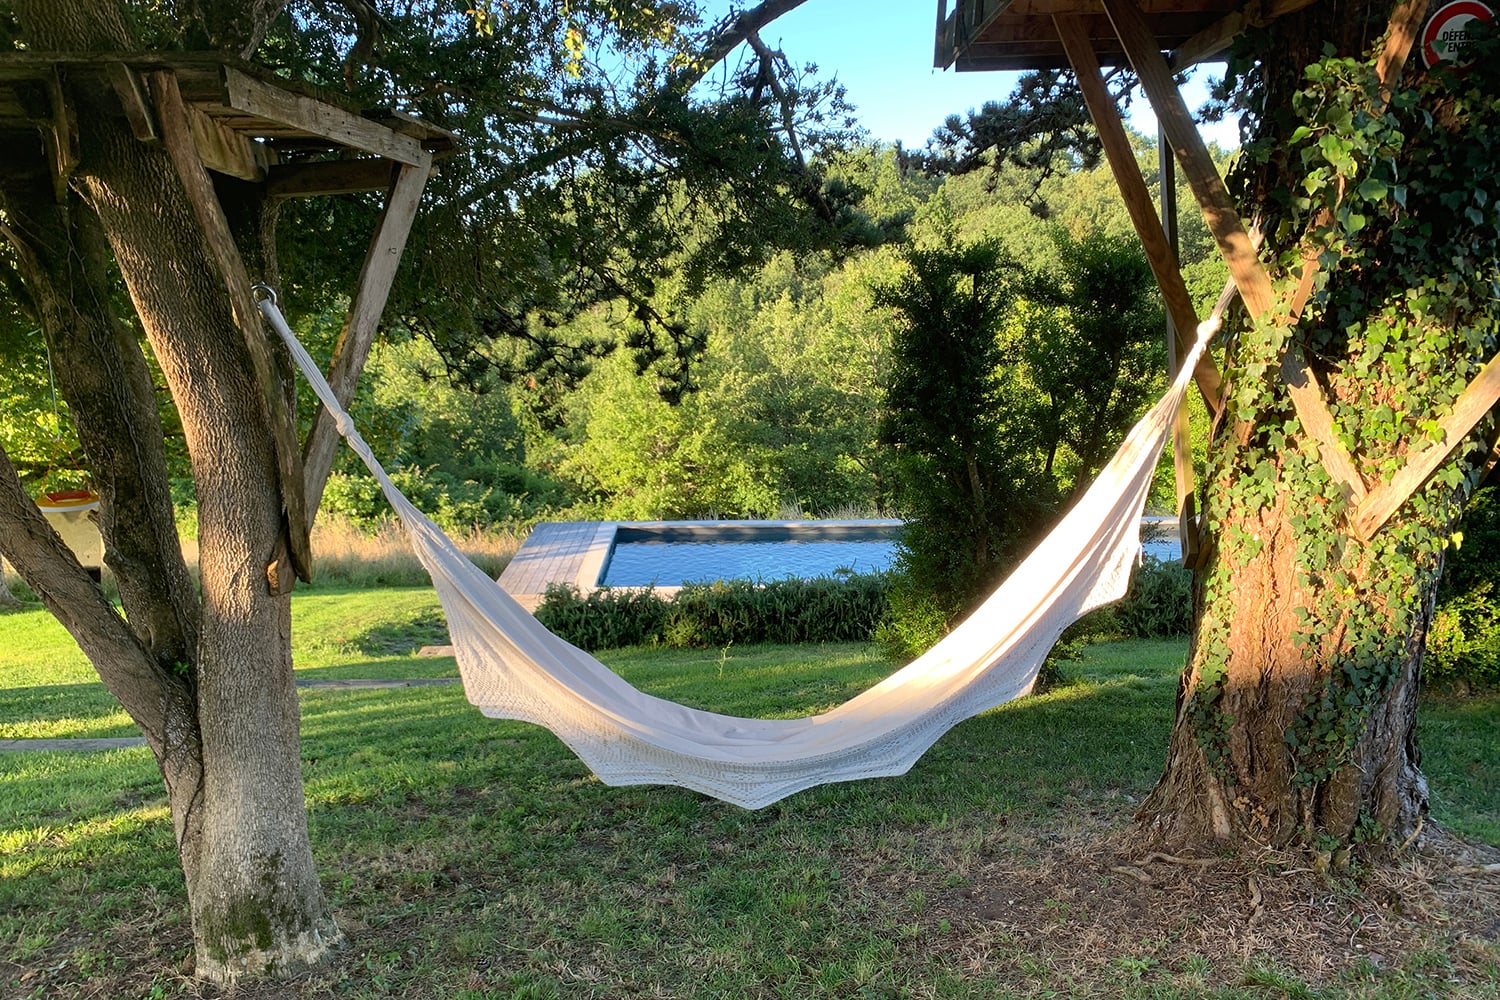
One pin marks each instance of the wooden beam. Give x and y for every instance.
(247, 94)
(360, 323)
(1406, 22)
(133, 99)
(1228, 231)
(1477, 399)
(61, 136)
(227, 151)
(303, 180)
(1188, 532)
(1218, 36)
(1179, 304)
(177, 136)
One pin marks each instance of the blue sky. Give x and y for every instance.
(881, 50)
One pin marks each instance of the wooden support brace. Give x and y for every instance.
(1491, 462)
(1406, 22)
(245, 93)
(131, 92)
(1477, 399)
(172, 118)
(362, 320)
(1217, 37)
(1228, 231)
(1159, 253)
(61, 137)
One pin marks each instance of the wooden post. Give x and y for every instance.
(1477, 399)
(360, 323)
(1228, 231)
(177, 136)
(1189, 534)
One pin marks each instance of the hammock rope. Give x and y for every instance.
(513, 668)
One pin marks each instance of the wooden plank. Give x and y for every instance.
(1406, 22)
(1217, 37)
(227, 151)
(305, 114)
(62, 137)
(302, 180)
(1228, 231)
(172, 118)
(1121, 157)
(132, 95)
(1477, 399)
(360, 323)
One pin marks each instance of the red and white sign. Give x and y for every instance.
(1446, 32)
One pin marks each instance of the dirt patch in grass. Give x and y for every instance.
(1093, 912)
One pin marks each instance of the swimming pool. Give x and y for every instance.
(674, 554)
(587, 555)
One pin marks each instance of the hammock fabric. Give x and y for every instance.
(513, 668)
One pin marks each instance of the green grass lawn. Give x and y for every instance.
(477, 859)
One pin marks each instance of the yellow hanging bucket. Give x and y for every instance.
(68, 513)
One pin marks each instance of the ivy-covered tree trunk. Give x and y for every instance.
(1296, 715)
(207, 677)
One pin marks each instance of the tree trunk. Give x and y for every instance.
(1296, 715)
(256, 903)
(222, 672)
(1286, 733)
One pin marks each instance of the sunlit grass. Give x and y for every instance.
(478, 858)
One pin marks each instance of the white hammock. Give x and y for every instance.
(513, 668)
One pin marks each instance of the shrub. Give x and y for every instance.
(1160, 602)
(1463, 644)
(915, 620)
(710, 615)
(604, 619)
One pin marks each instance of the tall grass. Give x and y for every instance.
(346, 555)
(343, 553)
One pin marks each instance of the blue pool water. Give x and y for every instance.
(668, 564)
(671, 553)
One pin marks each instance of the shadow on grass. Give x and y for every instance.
(91, 707)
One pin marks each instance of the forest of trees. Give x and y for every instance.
(784, 413)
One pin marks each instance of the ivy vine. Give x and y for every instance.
(1399, 202)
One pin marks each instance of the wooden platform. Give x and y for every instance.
(566, 552)
(981, 35)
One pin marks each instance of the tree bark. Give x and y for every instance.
(210, 684)
(1245, 766)
(1296, 715)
